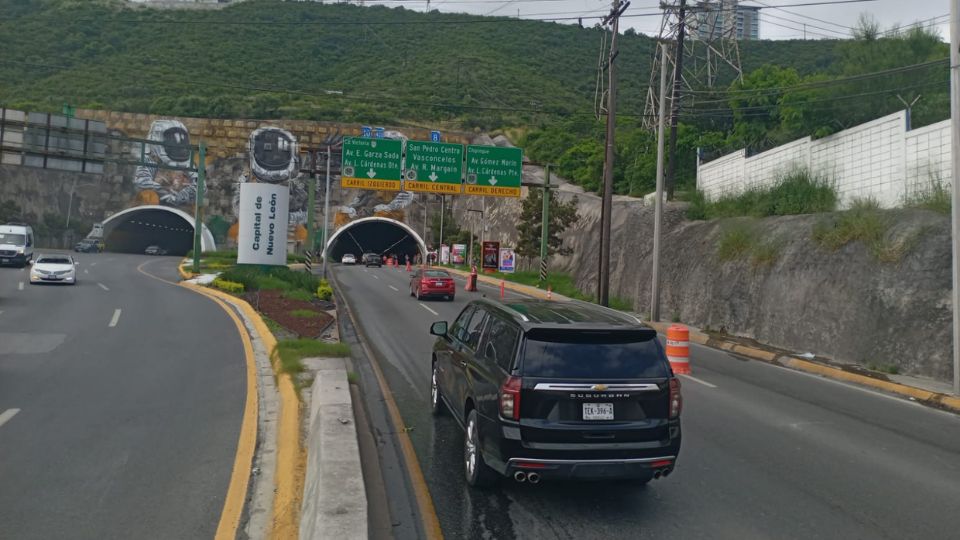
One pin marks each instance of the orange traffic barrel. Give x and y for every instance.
(678, 348)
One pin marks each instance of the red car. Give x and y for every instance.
(426, 283)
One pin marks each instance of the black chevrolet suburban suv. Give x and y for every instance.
(564, 390)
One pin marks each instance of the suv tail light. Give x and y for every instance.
(510, 398)
(676, 400)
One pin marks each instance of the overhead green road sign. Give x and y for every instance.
(492, 170)
(371, 163)
(434, 167)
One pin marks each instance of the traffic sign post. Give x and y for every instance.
(435, 136)
(372, 164)
(434, 167)
(366, 131)
(492, 170)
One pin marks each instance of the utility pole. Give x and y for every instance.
(545, 226)
(658, 204)
(909, 109)
(198, 209)
(955, 159)
(675, 101)
(311, 203)
(443, 199)
(603, 288)
(326, 218)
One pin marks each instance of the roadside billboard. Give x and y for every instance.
(459, 253)
(508, 260)
(264, 214)
(491, 256)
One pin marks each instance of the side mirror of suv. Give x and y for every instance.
(439, 328)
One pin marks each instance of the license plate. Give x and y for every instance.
(598, 411)
(4, 260)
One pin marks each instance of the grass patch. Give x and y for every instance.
(743, 241)
(935, 196)
(297, 294)
(889, 369)
(258, 278)
(795, 192)
(291, 352)
(353, 377)
(228, 286)
(863, 222)
(304, 314)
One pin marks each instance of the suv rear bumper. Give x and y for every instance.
(594, 469)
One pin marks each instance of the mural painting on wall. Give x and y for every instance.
(154, 183)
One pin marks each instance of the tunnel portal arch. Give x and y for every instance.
(133, 229)
(380, 235)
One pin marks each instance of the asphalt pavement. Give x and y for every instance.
(767, 452)
(121, 400)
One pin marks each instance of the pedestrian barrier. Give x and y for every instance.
(678, 348)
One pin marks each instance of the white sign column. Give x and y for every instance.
(264, 215)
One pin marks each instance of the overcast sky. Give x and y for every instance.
(644, 15)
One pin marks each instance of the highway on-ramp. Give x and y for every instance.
(767, 452)
(121, 400)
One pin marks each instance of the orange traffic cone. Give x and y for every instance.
(409, 269)
(502, 291)
(549, 292)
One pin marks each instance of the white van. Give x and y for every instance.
(16, 244)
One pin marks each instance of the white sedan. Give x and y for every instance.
(54, 269)
(349, 258)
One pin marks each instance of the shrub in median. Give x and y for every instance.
(228, 286)
(257, 278)
(324, 290)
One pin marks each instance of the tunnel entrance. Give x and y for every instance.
(380, 235)
(134, 229)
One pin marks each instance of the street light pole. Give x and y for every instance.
(545, 225)
(198, 208)
(955, 162)
(658, 204)
(326, 219)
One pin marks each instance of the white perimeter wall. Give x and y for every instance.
(879, 159)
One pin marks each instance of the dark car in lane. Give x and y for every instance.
(426, 283)
(556, 390)
(89, 245)
(372, 259)
(155, 250)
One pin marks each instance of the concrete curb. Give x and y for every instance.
(513, 286)
(334, 495)
(933, 399)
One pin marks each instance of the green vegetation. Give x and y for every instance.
(562, 215)
(291, 352)
(890, 369)
(796, 192)
(744, 240)
(935, 196)
(324, 290)
(228, 286)
(304, 314)
(256, 278)
(561, 284)
(867, 223)
(298, 294)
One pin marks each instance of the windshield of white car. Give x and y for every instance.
(54, 260)
(13, 239)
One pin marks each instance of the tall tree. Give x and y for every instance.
(562, 215)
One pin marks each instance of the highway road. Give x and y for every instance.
(767, 452)
(121, 400)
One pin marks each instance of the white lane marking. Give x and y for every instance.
(701, 381)
(93, 264)
(115, 319)
(7, 415)
(376, 277)
(428, 309)
(85, 271)
(394, 288)
(20, 287)
(104, 287)
(365, 270)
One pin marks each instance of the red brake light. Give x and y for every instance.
(676, 400)
(510, 398)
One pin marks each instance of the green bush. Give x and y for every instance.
(935, 196)
(257, 278)
(228, 286)
(324, 290)
(796, 192)
(864, 222)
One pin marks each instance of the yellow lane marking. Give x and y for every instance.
(428, 513)
(243, 461)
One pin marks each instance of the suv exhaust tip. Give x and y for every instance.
(666, 472)
(520, 476)
(656, 474)
(534, 478)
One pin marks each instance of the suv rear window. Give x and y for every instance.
(604, 355)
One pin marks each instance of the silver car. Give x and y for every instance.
(54, 269)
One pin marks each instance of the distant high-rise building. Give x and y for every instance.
(726, 17)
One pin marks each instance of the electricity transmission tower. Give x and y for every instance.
(711, 50)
